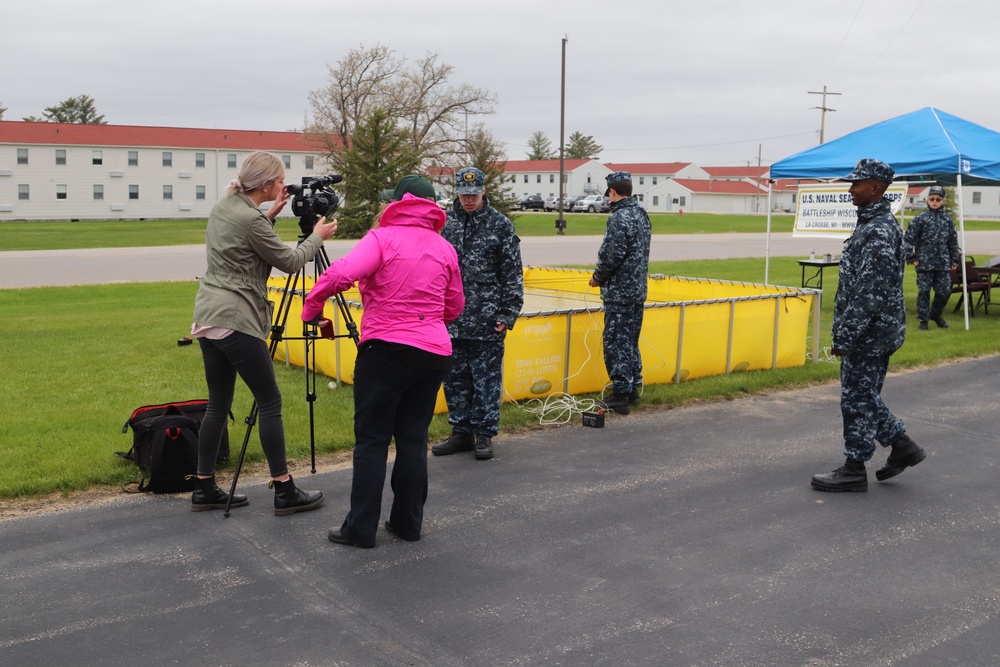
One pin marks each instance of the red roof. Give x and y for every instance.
(709, 187)
(542, 165)
(737, 172)
(75, 134)
(647, 168)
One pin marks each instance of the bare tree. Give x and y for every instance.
(2, 109)
(421, 100)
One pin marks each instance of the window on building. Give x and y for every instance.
(654, 180)
(552, 178)
(133, 192)
(231, 160)
(168, 192)
(538, 178)
(97, 158)
(133, 158)
(23, 192)
(98, 192)
(656, 200)
(977, 197)
(60, 192)
(287, 161)
(525, 178)
(60, 156)
(199, 192)
(22, 156)
(683, 201)
(168, 159)
(642, 180)
(309, 162)
(793, 197)
(199, 159)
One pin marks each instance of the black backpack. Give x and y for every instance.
(165, 444)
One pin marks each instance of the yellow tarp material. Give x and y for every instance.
(692, 328)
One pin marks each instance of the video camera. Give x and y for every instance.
(314, 199)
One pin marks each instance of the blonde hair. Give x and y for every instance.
(257, 169)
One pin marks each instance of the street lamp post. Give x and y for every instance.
(561, 222)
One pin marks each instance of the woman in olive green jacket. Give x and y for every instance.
(232, 317)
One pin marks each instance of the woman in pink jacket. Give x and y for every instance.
(410, 288)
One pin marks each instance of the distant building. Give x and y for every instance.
(64, 171)
(61, 171)
(541, 177)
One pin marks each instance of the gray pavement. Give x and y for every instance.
(684, 537)
(38, 268)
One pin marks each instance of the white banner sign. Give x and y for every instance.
(825, 210)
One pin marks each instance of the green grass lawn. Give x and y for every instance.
(128, 234)
(80, 359)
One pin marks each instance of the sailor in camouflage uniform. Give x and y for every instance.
(869, 324)
(931, 245)
(621, 273)
(489, 254)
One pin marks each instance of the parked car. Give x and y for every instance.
(534, 202)
(570, 201)
(590, 204)
(552, 203)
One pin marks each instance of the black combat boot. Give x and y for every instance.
(633, 398)
(905, 453)
(618, 403)
(457, 442)
(288, 499)
(923, 326)
(484, 447)
(849, 477)
(941, 322)
(208, 496)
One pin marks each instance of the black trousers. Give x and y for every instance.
(393, 400)
(251, 359)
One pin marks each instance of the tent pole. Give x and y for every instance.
(961, 225)
(767, 245)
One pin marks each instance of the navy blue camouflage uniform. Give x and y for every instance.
(489, 255)
(622, 268)
(932, 242)
(869, 325)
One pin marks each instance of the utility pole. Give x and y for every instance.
(824, 109)
(560, 221)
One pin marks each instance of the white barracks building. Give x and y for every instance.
(63, 171)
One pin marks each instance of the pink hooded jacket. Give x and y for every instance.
(408, 276)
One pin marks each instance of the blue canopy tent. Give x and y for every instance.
(927, 144)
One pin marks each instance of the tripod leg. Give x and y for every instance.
(251, 420)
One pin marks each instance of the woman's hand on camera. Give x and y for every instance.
(325, 229)
(279, 203)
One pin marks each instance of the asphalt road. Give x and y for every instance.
(688, 537)
(110, 265)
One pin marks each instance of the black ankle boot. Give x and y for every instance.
(905, 453)
(849, 477)
(208, 496)
(288, 499)
(456, 442)
(618, 403)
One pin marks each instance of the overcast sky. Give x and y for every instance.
(652, 81)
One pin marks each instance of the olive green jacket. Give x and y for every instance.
(242, 247)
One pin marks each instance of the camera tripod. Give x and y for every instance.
(310, 334)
